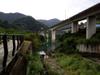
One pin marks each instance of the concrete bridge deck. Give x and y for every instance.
(94, 10)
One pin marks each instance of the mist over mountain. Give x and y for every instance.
(50, 22)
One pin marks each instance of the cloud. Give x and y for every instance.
(46, 9)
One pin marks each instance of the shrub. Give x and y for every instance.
(36, 42)
(68, 46)
(35, 65)
(68, 41)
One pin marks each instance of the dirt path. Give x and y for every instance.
(52, 65)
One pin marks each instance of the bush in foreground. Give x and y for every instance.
(35, 66)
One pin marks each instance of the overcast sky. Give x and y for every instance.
(46, 9)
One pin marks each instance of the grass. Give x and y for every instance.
(35, 65)
(77, 65)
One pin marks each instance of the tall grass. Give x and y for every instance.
(77, 65)
(35, 66)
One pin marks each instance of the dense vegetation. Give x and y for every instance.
(68, 42)
(75, 64)
(35, 66)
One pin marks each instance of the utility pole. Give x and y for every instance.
(65, 14)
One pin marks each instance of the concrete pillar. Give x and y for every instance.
(74, 26)
(47, 40)
(53, 39)
(47, 35)
(42, 33)
(91, 26)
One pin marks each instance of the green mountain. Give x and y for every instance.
(50, 22)
(20, 22)
(10, 17)
(28, 23)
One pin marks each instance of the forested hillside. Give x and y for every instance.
(19, 22)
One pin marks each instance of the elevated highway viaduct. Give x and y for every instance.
(91, 15)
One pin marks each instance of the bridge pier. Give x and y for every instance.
(91, 26)
(74, 26)
(53, 39)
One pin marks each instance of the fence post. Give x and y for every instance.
(0, 38)
(5, 50)
(21, 39)
(14, 47)
(17, 42)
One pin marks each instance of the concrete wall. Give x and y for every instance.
(53, 39)
(89, 48)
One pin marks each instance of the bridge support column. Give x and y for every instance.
(53, 38)
(91, 26)
(74, 26)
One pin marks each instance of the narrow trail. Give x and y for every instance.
(54, 66)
